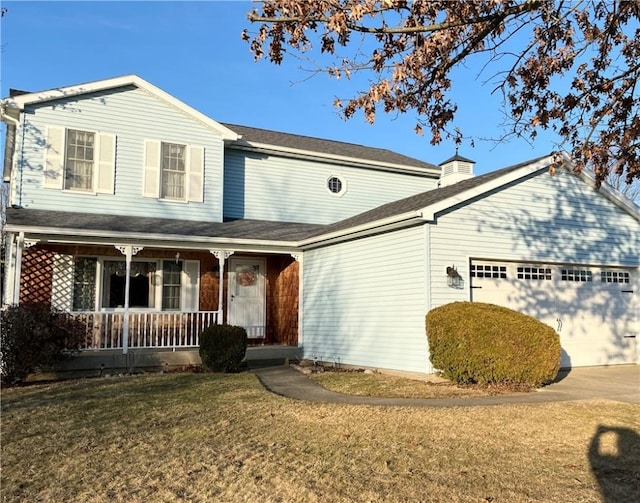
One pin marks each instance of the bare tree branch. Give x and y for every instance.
(568, 66)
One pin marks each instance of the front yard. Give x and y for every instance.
(211, 437)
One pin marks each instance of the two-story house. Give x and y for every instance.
(149, 221)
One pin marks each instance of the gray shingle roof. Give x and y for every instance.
(419, 201)
(236, 229)
(288, 140)
(245, 229)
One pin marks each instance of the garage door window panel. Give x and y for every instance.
(488, 271)
(533, 272)
(580, 275)
(614, 277)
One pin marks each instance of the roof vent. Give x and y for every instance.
(455, 169)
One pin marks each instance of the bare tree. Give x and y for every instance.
(568, 66)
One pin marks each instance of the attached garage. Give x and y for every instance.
(590, 307)
(550, 246)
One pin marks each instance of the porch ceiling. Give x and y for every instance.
(143, 228)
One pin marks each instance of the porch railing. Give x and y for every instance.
(146, 329)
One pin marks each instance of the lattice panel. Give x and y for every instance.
(37, 273)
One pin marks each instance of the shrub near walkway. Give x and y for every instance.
(213, 437)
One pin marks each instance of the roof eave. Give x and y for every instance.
(359, 231)
(344, 160)
(19, 102)
(71, 236)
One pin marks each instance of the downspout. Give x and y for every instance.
(5, 117)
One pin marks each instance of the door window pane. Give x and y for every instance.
(171, 284)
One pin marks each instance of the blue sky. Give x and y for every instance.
(193, 50)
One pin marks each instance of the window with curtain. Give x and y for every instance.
(173, 171)
(141, 284)
(79, 160)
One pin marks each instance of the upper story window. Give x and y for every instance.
(336, 185)
(173, 171)
(79, 160)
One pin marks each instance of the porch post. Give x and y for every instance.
(10, 271)
(128, 251)
(20, 244)
(222, 256)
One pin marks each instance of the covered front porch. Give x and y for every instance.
(148, 298)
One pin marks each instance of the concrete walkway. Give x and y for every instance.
(619, 383)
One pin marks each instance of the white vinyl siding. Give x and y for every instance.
(53, 172)
(112, 111)
(365, 302)
(79, 160)
(267, 187)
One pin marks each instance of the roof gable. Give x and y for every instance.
(19, 101)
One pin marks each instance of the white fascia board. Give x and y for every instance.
(19, 102)
(61, 235)
(430, 211)
(355, 161)
(359, 231)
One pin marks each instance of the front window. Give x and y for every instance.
(79, 160)
(173, 171)
(84, 284)
(141, 293)
(171, 284)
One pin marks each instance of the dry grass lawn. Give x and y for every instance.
(391, 386)
(223, 438)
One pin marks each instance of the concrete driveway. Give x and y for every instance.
(616, 382)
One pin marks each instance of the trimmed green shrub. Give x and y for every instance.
(32, 335)
(222, 347)
(472, 342)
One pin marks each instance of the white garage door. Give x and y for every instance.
(592, 308)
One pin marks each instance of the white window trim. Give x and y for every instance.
(94, 168)
(342, 179)
(187, 174)
(95, 187)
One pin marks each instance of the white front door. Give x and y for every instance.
(246, 295)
